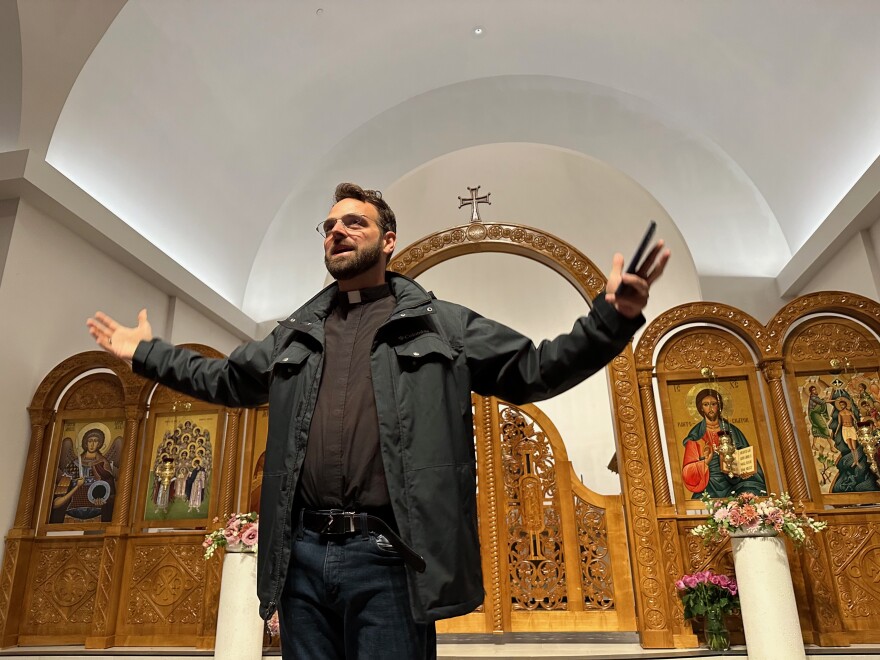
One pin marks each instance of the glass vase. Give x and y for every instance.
(717, 635)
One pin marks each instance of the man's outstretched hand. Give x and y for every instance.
(117, 339)
(631, 299)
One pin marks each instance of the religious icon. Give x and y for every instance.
(179, 481)
(718, 459)
(835, 407)
(85, 479)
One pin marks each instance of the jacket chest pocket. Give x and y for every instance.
(421, 351)
(290, 362)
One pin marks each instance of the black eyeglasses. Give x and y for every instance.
(352, 222)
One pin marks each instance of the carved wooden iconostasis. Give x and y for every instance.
(784, 390)
(121, 481)
(123, 478)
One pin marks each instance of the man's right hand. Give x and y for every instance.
(117, 339)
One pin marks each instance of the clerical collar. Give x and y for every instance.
(358, 296)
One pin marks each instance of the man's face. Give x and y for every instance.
(709, 406)
(92, 444)
(348, 252)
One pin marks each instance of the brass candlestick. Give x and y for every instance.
(726, 451)
(869, 439)
(165, 473)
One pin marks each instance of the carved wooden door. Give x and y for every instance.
(554, 553)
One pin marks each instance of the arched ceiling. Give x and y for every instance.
(212, 125)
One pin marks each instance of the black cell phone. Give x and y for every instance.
(635, 263)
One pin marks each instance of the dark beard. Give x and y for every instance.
(364, 259)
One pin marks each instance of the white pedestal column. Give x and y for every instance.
(769, 611)
(239, 626)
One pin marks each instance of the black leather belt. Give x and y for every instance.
(342, 523)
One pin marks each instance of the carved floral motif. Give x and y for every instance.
(96, 394)
(596, 575)
(702, 349)
(64, 585)
(824, 341)
(167, 585)
(535, 557)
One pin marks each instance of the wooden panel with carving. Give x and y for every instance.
(62, 585)
(163, 588)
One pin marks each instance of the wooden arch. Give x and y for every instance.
(656, 618)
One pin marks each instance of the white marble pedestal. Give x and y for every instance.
(239, 626)
(769, 611)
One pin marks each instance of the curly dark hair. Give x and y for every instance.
(374, 197)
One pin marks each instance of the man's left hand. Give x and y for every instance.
(632, 298)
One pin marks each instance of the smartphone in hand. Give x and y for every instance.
(636, 264)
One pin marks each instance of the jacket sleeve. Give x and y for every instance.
(241, 380)
(506, 364)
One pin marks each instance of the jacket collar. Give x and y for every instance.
(411, 298)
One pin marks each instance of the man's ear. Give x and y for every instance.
(390, 242)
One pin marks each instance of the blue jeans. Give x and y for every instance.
(346, 597)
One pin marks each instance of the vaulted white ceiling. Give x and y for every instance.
(222, 124)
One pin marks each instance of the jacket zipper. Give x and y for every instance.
(273, 604)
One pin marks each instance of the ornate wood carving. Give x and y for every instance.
(513, 239)
(655, 443)
(487, 453)
(835, 302)
(821, 588)
(595, 560)
(651, 593)
(7, 581)
(95, 394)
(230, 460)
(702, 349)
(672, 554)
(166, 586)
(534, 545)
(24, 515)
(63, 586)
(744, 325)
(791, 461)
(106, 585)
(824, 341)
(855, 556)
(125, 482)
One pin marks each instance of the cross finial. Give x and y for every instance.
(474, 200)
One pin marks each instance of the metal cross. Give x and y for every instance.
(474, 200)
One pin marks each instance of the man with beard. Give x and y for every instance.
(368, 530)
(701, 470)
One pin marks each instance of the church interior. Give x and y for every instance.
(177, 157)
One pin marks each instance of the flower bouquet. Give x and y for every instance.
(748, 513)
(711, 596)
(240, 534)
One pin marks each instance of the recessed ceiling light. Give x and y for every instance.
(479, 31)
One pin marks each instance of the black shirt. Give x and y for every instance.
(343, 465)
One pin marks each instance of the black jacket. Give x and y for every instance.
(426, 360)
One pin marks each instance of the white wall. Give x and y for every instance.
(189, 326)
(849, 270)
(543, 187)
(758, 296)
(52, 282)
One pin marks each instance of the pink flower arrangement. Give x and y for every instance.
(749, 513)
(705, 591)
(242, 529)
(273, 626)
